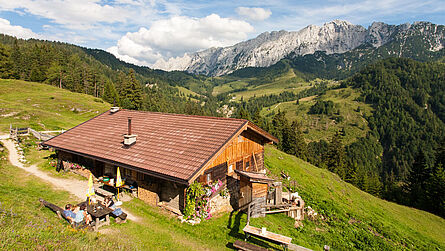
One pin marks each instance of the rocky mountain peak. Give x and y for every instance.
(337, 36)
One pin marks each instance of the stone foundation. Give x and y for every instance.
(218, 204)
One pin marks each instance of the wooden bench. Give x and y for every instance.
(102, 192)
(242, 245)
(269, 236)
(58, 210)
(122, 218)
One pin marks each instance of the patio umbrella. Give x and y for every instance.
(119, 182)
(90, 191)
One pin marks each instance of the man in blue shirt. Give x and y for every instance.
(70, 215)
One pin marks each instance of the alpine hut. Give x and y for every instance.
(161, 154)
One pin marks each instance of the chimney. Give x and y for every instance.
(114, 109)
(129, 139)
(129, 125)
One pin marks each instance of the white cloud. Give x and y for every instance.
(255, 14)
(177, 35)
(16, 30)
(80, 14)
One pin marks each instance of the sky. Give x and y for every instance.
(143, 32)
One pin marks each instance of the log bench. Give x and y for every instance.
(242, 245)
(56, 209)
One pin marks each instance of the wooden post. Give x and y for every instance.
(248, 214)
(254, 159)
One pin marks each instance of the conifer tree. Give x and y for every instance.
(242, 113)
(110, 94)
(132, 95)
(418, 178)
(5, 63)
(54, 74)
(336, 156)
(435, 188)
(300, 144)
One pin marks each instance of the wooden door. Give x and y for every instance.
(245, 196)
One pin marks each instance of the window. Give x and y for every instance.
(230, 168)
(239, 165)
(247, 165)
(208, 178)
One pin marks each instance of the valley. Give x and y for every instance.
(359, 114)
(346, 211)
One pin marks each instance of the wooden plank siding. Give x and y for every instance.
(259, 190)
(238, 153)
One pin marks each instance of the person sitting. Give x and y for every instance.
(88, 217)
(109, 202)
(80, 218)
(70, 215)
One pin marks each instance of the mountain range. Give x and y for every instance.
(338, 41)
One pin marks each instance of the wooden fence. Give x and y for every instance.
(25, 131)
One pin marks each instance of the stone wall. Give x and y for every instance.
(218, 204)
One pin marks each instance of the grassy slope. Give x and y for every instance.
(322, 126)
(186, 92)
(377, 224)
(24, 224)
(286, 82)
(354, 219)
(44, 107)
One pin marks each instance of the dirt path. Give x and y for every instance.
(76, 187)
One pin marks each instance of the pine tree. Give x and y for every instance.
(417, 180)
(336, 156)
(54, 75)
(110, 94)
(242, 113)
(435, 191)
(132, 95)
(257, 119)
(300, 144)
(6, 70)
(288, 142)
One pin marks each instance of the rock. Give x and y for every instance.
(270, 47)
(298, 224)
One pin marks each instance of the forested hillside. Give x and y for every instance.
(408, 122)
(100, 74)
(396, 154)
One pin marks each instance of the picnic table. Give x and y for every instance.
(97, 212)
(269, 236)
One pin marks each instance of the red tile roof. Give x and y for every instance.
(170, 146)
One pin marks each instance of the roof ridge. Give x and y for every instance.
(186, 115)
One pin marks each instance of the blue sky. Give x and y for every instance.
(143, 32)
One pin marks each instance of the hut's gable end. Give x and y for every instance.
(244, 152)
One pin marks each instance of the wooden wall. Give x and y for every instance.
(239, 154)
(245, 192)
(259, 190)
(240, 147)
